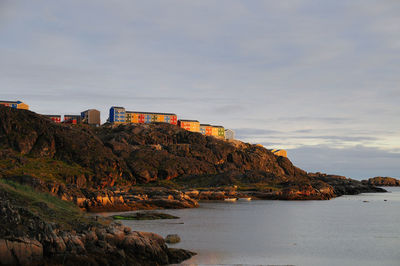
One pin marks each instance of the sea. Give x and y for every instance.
(349, 230)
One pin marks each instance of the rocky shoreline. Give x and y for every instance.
(27, 238)
(114, 198)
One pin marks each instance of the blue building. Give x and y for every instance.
(117, 115)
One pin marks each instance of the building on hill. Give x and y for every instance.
(117, 115)
(54, 118)
(229, 134)
(72, 119)
(190, 125)
(150, 117)
(206, 129)
(120, 115)
(210, 130)
(91, 117)
(218, 132)
(15, 104)
(278, 152)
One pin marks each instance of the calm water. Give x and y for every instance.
(342, 231)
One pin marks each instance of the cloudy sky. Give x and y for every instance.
(318, 78)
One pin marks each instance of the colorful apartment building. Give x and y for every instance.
(218, 132)
(15, 104)
(91, 117)
(120, 115)
(190, 125)
(54, 118)
(72, 119)
(117, 115)
(149, 117)
(206, 129)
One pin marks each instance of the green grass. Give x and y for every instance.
(257, 187)
(208, 181)
(44, 205)
(43, 168)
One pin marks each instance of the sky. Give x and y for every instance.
(320, 79)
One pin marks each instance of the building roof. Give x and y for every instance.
(183, 120)
(117, 107)
(218, 126)
(150, 113)
(10, 102)
(205, 125)
(52, 115)
(72, 115)
(96, 110)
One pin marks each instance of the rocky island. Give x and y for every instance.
(128, 167)
(382, 181)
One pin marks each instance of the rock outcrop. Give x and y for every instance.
(113, 198)
(382, 181)
(27, 239)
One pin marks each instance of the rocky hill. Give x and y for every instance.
(121, 165)
(382, 181)
(126, 167)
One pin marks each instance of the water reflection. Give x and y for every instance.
(350, 230)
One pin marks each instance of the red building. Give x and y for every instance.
(72, 119)
(54, 118)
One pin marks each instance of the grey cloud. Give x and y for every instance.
(303, 131)
(316, 118)
(338, 138)
(358, 162)
(251, 132)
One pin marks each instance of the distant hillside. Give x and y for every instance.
(150, 153)
(382, 181)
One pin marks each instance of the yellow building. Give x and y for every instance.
(190, 125)
(218, 132)
(279, 152)
(15, 104)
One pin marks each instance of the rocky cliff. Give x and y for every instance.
(107, 165)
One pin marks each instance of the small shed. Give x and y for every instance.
(229, 134)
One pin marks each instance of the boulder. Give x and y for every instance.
(172, 239)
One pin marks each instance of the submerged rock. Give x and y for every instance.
(144, 216)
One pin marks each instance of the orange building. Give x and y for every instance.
(15, 104)
(190, 125)
(206, 129)
(149, 117)
(279, 152)
(218, 132)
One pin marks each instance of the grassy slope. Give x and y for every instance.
(211, 181)
(47, 207)
(47, 169)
